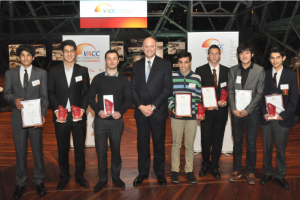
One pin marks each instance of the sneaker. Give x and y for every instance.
(191, 177)
(251, 179)
(174, 177)
(235, 176)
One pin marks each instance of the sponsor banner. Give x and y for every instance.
(198, 44)
(90, 52)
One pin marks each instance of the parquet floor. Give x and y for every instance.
(207, 187)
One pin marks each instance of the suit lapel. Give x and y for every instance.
(209, 74)
(283, 77)
(63, 74)
(75, 69)
(238, 73)
(33, 77)
(17, 74)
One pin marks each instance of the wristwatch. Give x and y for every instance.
(153, 107)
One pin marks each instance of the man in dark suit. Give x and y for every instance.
(68, 85)
(27, 82)
(213, 127)
(151, 83)
(279, 80)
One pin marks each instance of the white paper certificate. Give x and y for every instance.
(31, 113)
(183, 104)
(242, 99)
(209, 97)
(277, 101)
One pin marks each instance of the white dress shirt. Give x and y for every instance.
(277, 76)
(217, 71)
(22, 72)
(69, 77)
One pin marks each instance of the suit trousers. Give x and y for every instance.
(63, 131)
(157, 127)
(189, 128)
(274, 132)
(252, 123)
(112, 130)
(21, 145)
(212, 134)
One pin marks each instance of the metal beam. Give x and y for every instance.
(11, 15)
(161, 19)
(38, 24)
(291, 20)
(177, 25)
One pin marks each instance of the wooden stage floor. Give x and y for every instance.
(207, 187)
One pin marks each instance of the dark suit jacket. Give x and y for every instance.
(157, 89)
(207, 79)
(289, 101)
(14, 90)
(59, 92)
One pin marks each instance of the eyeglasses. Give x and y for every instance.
(66, 51)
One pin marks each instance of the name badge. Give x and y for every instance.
(284, 86)
(78, 78)
(192, 85)
(239, 79)
(36, 82)
(223, 84)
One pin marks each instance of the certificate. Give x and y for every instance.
(31, 113)
(209, 97)
(277, 101)
(183, 104)
(242, 99)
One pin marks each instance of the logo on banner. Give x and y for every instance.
(107, 8)
(207, 43)
(87, 53)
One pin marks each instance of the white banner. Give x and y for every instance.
(90, 52)
(198, 44)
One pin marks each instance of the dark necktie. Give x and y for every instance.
(25, 81)
(215, 77)
(275, 80)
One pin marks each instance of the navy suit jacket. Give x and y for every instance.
(289, 101)
(156, 91)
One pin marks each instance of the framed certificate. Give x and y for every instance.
(242, 99)
(183, 104)
(209, 97)
(31, 113)
(277, 101)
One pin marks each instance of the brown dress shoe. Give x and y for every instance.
(235, 176)
(251, 179)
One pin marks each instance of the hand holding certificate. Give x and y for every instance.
(242, 99)
(31, 113)
(209, 97)
(183, 104)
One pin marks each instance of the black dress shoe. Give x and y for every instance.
(83, 183)
(99, 186)
(41, 190)
(203, 171)
(62, 184)
(215, 173)
(265, 179)
(18, 193)
(139, 179)
(119, 182)
(162, 181)
(283, 183)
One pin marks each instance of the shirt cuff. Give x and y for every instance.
(55, 111)
(83, 110)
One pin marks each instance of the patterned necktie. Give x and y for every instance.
(148, 70)
(275, 80)
(215, 77)
(25, 81)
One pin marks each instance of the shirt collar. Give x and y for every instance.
(28, 69)
(250, 67)
(278, 73)
(114, 75)
(185, 74)
(66, 67)
(152, 59)
(217, 67)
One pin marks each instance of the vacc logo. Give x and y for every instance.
(207, 43)
(89, 55)
(105, 8)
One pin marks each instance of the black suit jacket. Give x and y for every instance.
(157, 89)
(289, 101)
(207, 79)
(59, 92)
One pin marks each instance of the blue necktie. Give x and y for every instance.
(148, 70)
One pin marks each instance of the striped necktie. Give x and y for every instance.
(215, 77)
(275, 79)
(25, 81)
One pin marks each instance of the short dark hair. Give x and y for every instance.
(277, 50)
(244, 47)
(69, 43)
(111, 51)
(184, 54)
(25, 47)
(214, 47)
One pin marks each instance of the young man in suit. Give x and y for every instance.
(279, 80)
(109, 126)
(184, 81)
(249, 77)
(27, 82)
(213, 127)
(68, 85)
(151, 84)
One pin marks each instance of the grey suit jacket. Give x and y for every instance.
(255, 82)
(14, 90)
